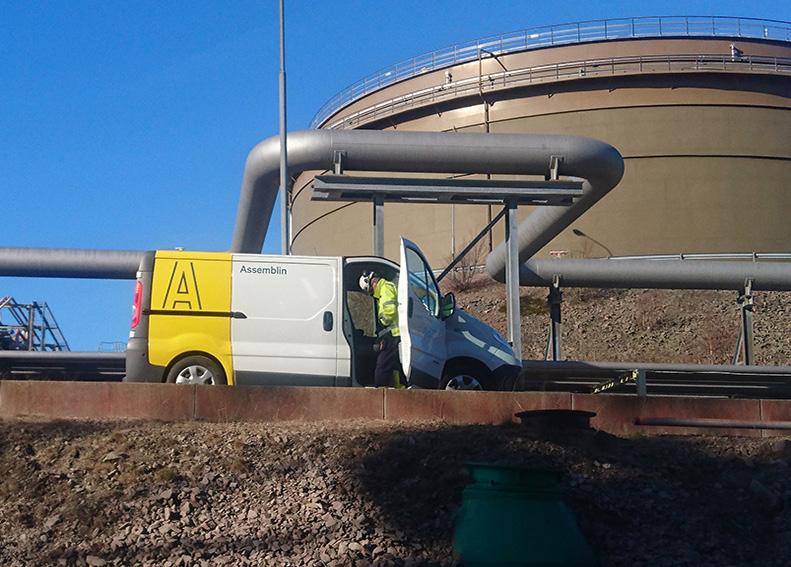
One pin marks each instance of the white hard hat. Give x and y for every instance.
(365, 281)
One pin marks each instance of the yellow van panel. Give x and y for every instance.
(190, 307)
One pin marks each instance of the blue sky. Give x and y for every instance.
(125, 125)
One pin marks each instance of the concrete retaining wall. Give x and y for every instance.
(615, 413)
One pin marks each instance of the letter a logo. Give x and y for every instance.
(182, 290)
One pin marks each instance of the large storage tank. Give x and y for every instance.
(700, 108)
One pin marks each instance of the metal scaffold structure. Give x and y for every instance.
(29, 327)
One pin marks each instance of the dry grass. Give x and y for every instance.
(467, 275)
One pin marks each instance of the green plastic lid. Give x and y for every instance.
(513, 475)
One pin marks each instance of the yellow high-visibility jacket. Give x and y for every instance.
(386, 295)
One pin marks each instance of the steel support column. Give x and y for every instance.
(285, 210)
(745, 301)
(512, 278)
(379, 227)
(554, 299)
(31, 325)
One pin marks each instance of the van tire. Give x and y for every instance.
(196, 369)
(465, 377)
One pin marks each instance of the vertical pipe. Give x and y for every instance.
(285, 232)
(512, 279)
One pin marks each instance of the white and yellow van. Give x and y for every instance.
(224, 318)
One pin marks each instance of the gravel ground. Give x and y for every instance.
(641, 325)
(359, 494)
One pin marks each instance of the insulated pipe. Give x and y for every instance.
(426, 152)
(601, 168)
(69, 263)
(647, 274)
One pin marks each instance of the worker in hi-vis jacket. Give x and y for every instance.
(388, 364)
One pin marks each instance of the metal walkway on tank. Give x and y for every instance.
(557, 35)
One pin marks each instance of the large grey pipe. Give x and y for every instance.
(69, 263)
(427, 152)
(669, 274)
(600, 166)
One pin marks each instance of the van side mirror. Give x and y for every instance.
(448, 305)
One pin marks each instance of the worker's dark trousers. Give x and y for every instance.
(387, 361)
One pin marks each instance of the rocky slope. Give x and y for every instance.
(641, 325)
(363, 494)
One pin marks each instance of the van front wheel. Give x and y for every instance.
(196, 370)
(464, 377)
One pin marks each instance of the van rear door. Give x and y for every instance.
(423, 349)
(285, 329)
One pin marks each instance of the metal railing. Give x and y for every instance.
(561, 34)
(29, 327)
(571, 70)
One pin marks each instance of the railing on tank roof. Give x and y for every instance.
(570, 70)
(560, 34)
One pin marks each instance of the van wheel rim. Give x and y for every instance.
(195, 374)
(463, 382)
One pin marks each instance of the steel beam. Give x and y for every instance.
(512, 279)
(379, 227)
(554, 299)
(444, 190)
(745, 302)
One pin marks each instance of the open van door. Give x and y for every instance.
(423, 349)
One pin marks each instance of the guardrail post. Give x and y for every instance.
(640, 380)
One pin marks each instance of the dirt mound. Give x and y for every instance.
(368, 494)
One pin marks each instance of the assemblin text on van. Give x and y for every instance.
(269, 270)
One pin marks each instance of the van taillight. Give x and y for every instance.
(137, 304)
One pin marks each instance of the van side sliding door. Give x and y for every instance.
(288, 315)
